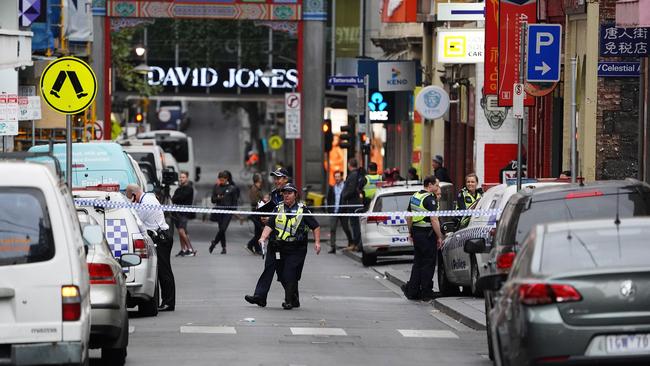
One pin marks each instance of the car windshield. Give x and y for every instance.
(175, 146)
(593, 207)
(143, 157)
(595, 248)
(25, 230)
(392, 202)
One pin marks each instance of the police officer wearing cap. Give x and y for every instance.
(289, 230)
(427, 239)
(470, 193)
(280, 179)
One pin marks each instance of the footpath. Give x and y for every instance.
(469, 311)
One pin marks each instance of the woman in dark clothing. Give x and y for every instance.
(256, 195)
(184, 195)
(225, 195)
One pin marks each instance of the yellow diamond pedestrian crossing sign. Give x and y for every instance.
(68, 85)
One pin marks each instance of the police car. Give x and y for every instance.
(386, 235)
(455, 266)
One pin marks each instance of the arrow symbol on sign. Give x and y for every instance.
(544, 68)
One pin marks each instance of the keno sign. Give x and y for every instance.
(461, 46)
(432, 102)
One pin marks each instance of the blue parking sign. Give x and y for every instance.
(544, 53)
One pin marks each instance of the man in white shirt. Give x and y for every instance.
(154, 222)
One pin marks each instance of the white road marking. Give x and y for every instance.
(199, 329)
(416, 333)
(131, 329)
(319, 331)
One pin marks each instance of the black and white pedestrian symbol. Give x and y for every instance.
(61, 78)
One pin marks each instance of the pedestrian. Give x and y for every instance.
(280, 179)
(470, 192)
(438, 170)
(334, 207)
(395, 175)
(225, 196)
(351, 196)
(154, 222)
(184, 196)
(371, 181)
(289, 230)
(427, 239)
(256, 195)
(412, 174)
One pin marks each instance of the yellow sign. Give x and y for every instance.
(275, 142)
(68, 85)
(455, 46)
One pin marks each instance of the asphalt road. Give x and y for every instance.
(350, 315)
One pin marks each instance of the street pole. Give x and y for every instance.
(68, 150)
(366, 82)
(574, 172)
(520, 124)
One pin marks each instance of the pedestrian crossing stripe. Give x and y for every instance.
(418, 333)
(319, 331)
(202, 329)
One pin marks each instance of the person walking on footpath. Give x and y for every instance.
(225, 196)
(280, 179)
(289, 230)
(334, 206)
(438, 170)
(256, 195)
(184, 196)
(351, 195)
(427, 239)
(157, 228)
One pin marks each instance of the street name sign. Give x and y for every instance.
(619, 69)
(544, 53)
(68, 85)
(345, 81)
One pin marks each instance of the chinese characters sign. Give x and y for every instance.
(623, 42)
(491, 46)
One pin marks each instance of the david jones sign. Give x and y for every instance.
(206, 77)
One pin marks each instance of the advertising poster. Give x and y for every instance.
(491, 65)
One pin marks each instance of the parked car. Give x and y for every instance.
(44, 288)
(459, 268)
(180, 146)
(597, 200)
(577, 293)
(109, 326)
(384, 235)
(125, 233)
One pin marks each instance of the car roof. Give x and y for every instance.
(114, 196)
(26, 173)
(559, 191)
(153, 134)
(402, 188)
(609, 223)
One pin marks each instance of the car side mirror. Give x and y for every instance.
(169, 177)
(197, 173)
(491, 282)
(130, 260)
(474, 246)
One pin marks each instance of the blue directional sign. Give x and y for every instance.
(345, 81)
(544, 52)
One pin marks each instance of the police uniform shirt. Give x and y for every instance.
(152, 219)
(309, 221)
(429, 204)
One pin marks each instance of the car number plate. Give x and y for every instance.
(403, 229)
(628, 343)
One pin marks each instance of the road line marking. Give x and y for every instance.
(319, 331)
(131, 329)
(199, 329)
(416, 333)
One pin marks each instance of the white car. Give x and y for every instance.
(384, 235)
(178, 144)
(44, 284)
(125, 233)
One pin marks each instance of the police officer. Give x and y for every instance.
(289, 230)
(280, 179)
(370, 186)
(470, 193)
(427, 238)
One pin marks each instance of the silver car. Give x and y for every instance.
(109, 326)
(578, 292)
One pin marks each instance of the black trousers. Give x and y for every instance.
(165, 274)
(420, 285)
(223, 220)
(334, 220)
(355, 230)
(290, 266)
(258, 227)
(266, 278)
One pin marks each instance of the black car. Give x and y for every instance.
(529, 207)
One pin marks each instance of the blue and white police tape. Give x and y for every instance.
(208, 210)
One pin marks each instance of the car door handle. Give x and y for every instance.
(7, 293)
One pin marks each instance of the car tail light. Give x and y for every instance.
(140, 248)
(504, 260)
(101, 274)
(543, 294)
(71, 303)
(583, 194)
(377, 219)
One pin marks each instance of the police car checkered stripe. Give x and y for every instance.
(117, 236)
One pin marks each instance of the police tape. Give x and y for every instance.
(208, 210)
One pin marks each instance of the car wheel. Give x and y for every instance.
(150, 308)
(368, 259)
(446, 288)
(488, 331)
(474, 276)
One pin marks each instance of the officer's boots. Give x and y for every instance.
(290, 296)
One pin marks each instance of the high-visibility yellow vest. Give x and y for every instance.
(370, 187)
(468, 198)
(287, 227)
(416, 204)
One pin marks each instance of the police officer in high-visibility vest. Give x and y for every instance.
(470, 193)
(427, 239)
(289, 230)
(370, 187)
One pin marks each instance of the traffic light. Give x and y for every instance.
(139, 117)
(365, 144)
(328, 137)
(347, 137)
